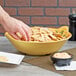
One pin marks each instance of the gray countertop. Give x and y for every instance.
(25, 69)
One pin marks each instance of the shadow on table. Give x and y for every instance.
(6, 65)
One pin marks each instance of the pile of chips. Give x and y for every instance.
(43, 34)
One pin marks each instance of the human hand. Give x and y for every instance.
(14, 26)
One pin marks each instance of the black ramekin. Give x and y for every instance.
(61, 61)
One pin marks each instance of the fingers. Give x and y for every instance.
(19, 35)
(27, 31)
(24, 30)
(23, 33)
(15, 36)
(28, 38)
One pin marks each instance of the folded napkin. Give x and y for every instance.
(72, 66)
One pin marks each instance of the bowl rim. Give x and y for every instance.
(10, 37)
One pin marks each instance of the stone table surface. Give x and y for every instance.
(25, 69)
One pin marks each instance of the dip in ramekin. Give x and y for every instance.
(61, 58)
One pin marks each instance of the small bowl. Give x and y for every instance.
(61, 61)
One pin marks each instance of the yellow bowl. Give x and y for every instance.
(36, 48)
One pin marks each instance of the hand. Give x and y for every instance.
(14, 26)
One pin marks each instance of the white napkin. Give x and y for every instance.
(10, 58)
(72, 66)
